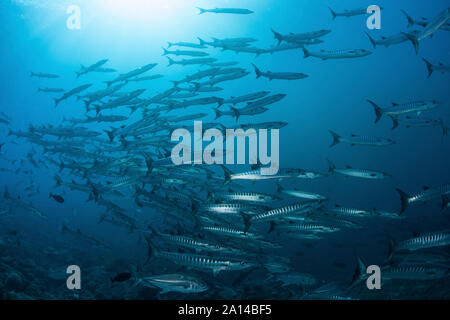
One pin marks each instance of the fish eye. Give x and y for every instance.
(243, 262)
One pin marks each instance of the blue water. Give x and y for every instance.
(35, 38)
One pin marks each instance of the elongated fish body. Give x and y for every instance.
(231, 232)
(404, 108)
(409, 122)
(223, 64)
(389, 41)
(95, 66)
(50, 90)
(175, 283)
(245, 197)
(279, 75)
(308, 227)
(422, 22)
(226, 208)
(225, 10)
(439, 67)
(186, 53)
(434, 24)
(430, 28)
(185, 62)
(424, 241)
(348, 13)
(186, 44)
(72, 92)
(299, 37)
(44, 75)
(336, 54)
(195, 244)
(360, 140)
(361, 173)
(267, 100)
(148, 78)
(133, 73)
(415, 272)
(290, 210)
(357, 173)
(427, 194)
(304, 195)
(201, 262)
(250, 175)
(247, 97)
(347, 212)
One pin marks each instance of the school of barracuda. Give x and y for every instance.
(211, 221)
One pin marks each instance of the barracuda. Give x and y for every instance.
(357, 173)
(275, 214)
(429, 240)
(191, 243)
(199, 262)
(403, 108)
(360, 140)
(427, 194)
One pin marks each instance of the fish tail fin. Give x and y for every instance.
(404, 200)
(331, 166)
(413, 40)
(374, 44)
(166, 52)
(110, 134)
(247, 221)
(169, 44)
(218, 113)
(171, 62)
(336, 138)
(148, 162)
(332, 13)
(202, 42)
(360, 271)
(306, 53)
(201, 10)
(236, 113)
(32, 74)
(227, 173)
(378, 110)
(408, 17)
(272, 227)
(279, 187)
(277, 36)
(394, 122)
(257, 71)
(430, 67)
(56, 101)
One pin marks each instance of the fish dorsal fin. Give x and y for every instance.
(383, 37)
(416, 234)
(337, 205)
(353, 135)
(348, 167)
(291, 33)
(394, 104)
(426, 187)
(440, 63)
